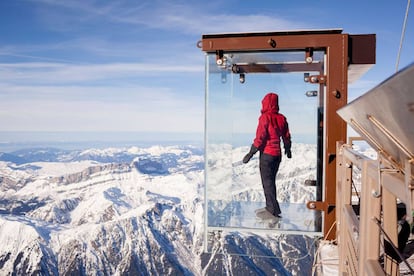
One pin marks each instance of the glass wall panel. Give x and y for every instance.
(234, 92)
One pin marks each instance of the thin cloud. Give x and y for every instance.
(144, 31)
(194, 19)
(90, 49)
(138, 115)
(37, 73)
(149, 97)
(208, 23)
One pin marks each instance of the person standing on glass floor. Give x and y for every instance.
(272, 128)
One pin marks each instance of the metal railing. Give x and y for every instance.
(363, 226)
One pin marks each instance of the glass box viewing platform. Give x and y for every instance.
(235, 86)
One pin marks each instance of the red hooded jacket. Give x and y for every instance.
(272, 127)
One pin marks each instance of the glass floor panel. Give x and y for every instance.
(240, 215)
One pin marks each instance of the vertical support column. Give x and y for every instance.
(336, 96)
(389, 209)
(410, 191)
(343, 197)
(369, 233)
(340, 184)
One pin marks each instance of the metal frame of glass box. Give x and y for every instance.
(346, 58)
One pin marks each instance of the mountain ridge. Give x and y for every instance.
(87, 217)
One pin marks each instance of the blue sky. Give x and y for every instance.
(134, 65)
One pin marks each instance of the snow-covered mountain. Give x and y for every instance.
(135, 211)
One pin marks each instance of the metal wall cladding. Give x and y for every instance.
(384, 116)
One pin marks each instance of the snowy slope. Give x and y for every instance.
(136, 211)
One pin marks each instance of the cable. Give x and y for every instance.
(402, 35)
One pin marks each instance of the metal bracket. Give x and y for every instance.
(316, 79)
(309, 55)
(220, 60)
(320, 206)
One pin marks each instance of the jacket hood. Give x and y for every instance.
(270, 103)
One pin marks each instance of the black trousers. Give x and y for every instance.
(269, 165)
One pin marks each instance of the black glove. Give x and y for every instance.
(288, 153)
(248, 156)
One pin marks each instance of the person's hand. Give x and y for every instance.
(288, 153)
(249, 156)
